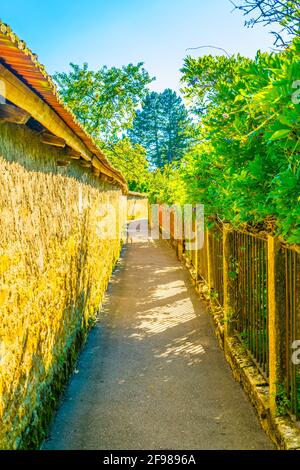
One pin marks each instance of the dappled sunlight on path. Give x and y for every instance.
(152, 375)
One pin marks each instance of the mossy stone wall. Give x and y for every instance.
(54, 270)
(137, 207)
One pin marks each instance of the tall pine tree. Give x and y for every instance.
(163, 127)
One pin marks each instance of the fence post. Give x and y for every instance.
(227, 282)
(208, 259)
(181, 239)
(273, 325)
(196, 252)
(149, 215)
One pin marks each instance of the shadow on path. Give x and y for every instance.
(152, 375)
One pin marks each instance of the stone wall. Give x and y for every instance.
(137, 206)
(54, 270)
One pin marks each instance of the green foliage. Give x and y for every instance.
(210, 81)
(104, 101)
(241, 160)
(163, 127)
(245, 166)
(131, 160)
(282, 401)
(165, 186)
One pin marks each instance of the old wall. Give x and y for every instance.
(54, 269)
(137, 206)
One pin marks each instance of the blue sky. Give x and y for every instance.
(116, 32)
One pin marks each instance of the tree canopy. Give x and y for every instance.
(163, 127)
(105, 100)
(131, 160)
(239, 156)
(245, 166)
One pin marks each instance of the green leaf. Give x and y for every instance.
(280, 134)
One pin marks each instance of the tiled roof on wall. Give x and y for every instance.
(15, 55)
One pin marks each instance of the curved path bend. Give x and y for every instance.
(151, 375)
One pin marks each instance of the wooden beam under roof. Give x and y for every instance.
(17, 58)
(22, 96)
(11, 113)
(63, 163)
(51, 139)
(71, 153)
(85, 164)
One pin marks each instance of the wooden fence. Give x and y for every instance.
(255, 280)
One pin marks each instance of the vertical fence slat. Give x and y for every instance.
(257, 282)
(228, 302)
(273, 327)
(208, 259)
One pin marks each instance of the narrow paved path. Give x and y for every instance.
(151, 375)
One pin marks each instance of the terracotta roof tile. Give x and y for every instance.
(15, 54)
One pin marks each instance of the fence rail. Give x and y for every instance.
(262, 310)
